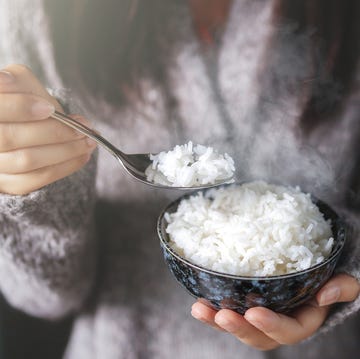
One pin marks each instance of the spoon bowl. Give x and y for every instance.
(134, 164)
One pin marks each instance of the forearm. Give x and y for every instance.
(47, 246)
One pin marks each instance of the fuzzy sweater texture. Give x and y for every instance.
(87, 243)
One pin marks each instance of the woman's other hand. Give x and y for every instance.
(35, 150)
(264, 329)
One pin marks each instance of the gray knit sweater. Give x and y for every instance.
(87, 244)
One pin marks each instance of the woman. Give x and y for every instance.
(271, 82)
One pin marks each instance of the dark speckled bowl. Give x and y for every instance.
(280, 293)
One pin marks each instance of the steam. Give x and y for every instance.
(266, 142)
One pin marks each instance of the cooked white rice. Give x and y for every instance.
(188, 166)
(254, 229)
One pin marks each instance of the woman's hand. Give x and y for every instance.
(35, 150)
(264, 329)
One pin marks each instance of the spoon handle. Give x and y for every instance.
(87, 132)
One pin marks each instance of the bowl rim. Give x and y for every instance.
(340, 222)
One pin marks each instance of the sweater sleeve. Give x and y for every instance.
(349, 263)
(47, 238)
(47, 245)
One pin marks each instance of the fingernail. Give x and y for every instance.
(6, 77)
(329, 296)
(196, 314)
(226, 324)
(90, 142)
(42, 109)
(268, 319)
(256, 323)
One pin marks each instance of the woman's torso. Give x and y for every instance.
(222, 99)
(139, 310)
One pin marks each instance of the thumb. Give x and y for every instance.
(341, 288)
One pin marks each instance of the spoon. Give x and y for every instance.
(134, 164)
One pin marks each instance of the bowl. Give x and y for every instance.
(280, 293)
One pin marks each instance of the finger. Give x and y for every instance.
(237, 325)
(285, 329)
(205, 314)
(6, 78)
(31, 181)
(20, 79)
(24, 107)
(32, 158)
(17, 77)
(16, 135)
(341, 288)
